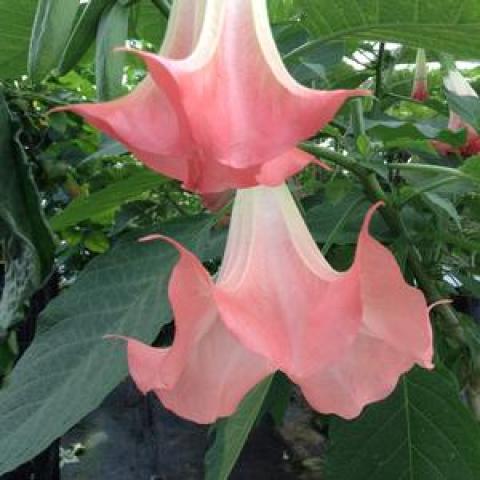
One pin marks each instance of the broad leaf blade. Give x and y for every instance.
(441, 25)
(232, 433)
(421, 432)
(70, 368)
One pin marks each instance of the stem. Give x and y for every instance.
(379, 71)
(163, 6)
(358, 119)
(375, 193)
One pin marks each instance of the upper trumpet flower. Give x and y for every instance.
(420, 82)
(343, 337)
(218, 110)
(458, 84)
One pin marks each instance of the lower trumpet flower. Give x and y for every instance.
(344, 337)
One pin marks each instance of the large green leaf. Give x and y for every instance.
(444, 25)
(231, 433)
(106, 200)
(421, 432)
(16, 19)
(29, 245)
(70, 368)
(54, 21)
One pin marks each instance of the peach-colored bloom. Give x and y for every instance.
(420, 82)
(343, 337)
(458, 84)
(218, 110)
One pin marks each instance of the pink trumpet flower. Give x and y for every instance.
(343, 337)
(458, 84)
(420, 82)
(218, 110)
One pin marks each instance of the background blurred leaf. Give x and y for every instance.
(150, 23)
(112, 32)
(29, 245)
(468, 108)
(107, 199)
(16, 19)
(53, 24)
(83, 34)
(441, 25)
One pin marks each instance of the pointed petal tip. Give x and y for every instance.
(164, 238)
(151, 238)
(445, 301)
(111, 336)
(322, 164)
(371, 212)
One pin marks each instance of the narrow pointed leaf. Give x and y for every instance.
(107, 199)
(232, 433)
(54, 21)
(83, 34)
(112, 32)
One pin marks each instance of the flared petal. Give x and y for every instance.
(206, 372)
(279, 296)
(219, 110)
(367, 373)
(344, 337)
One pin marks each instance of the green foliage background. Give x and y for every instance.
(75, 201)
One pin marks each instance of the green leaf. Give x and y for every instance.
(108, 148)
(468, 108)
(440, 25)
(421, 432)
(24, 229)
(282, 10)
(69, 368)
(83, 34)
(16, 19)
(336, 224)
(54, 21)
(443, 206)
(471, 167)
(97, 242)
(231, 433)
(108, 199)
(112, 32)
(151, 23)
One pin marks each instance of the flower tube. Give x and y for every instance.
(455, 82)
